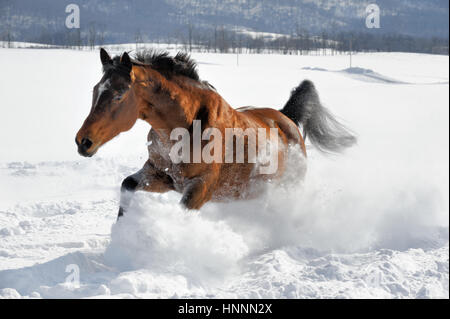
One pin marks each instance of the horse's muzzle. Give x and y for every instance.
(84, 146)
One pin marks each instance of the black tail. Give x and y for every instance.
(324, 131)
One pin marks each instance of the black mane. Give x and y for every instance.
(161, 61)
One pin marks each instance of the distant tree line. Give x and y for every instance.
(302, 41)
(221, 39)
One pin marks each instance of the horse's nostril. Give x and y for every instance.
(83, 147)
(87, 143)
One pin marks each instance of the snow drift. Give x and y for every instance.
(370, 223)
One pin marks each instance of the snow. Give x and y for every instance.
(371, 223)
(261, 35)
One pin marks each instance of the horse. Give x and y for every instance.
(167, 92)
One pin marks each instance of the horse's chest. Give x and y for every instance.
(159, 156)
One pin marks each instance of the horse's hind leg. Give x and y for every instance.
(147, 179)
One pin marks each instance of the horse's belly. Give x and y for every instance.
(240, 181)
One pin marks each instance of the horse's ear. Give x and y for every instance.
(104, 57)
(126, 61)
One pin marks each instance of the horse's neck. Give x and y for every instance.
(171, 105)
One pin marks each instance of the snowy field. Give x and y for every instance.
(371, 223)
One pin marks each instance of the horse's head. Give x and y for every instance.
(114, 105)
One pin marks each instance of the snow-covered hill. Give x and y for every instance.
(120, 20)
(370, 223)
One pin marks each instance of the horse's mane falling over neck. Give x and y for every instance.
(178, 93)
(180, 64)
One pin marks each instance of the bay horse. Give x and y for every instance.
(166, 92)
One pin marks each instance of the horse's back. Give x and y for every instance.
(275, 119)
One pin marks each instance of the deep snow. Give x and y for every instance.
(372, 222)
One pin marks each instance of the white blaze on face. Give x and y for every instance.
(102, 88)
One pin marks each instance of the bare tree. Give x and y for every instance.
(8, 36)
(78, 40)
(138, 39)
(101, 34)
(190, 35)
(92, 36)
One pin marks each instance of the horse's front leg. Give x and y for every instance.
(147, 179)
(198, 191)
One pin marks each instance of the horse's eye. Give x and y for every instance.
(118, 95)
